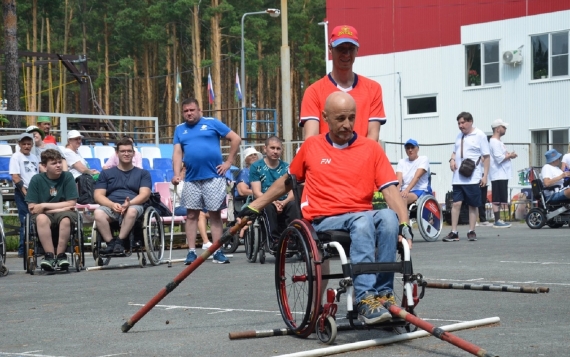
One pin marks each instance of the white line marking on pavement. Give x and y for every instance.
(542, 263)
(116, 354)
(505, 282)
(27, 354)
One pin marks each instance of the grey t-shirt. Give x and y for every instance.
(38, 151)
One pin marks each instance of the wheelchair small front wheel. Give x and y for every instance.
(327, 334)
(536, 218)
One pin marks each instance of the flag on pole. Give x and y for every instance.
(211, 95)
(178, 87)
(238, 89)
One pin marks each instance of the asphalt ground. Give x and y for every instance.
(80, 314)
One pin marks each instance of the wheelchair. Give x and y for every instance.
(428, 215)
(298, 280)
(553, 214)
(3, 268)
(33, 247)
(146, 239)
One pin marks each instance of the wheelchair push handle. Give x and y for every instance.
(181, 276)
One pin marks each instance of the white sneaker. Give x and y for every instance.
(206, 245)
(486, 224)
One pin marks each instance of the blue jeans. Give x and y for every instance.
(374, 236)
(22, 212)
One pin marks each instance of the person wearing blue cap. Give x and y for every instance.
(553, 178)
(413, 173)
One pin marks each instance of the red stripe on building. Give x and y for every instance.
(386, 26)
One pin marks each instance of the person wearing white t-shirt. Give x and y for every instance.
(413, 173)
(499, 171)
(471, 143)
(566, 161)
(23, 166)
(553, 176)
(76, 163)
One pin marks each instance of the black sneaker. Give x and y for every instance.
(61, 261)
(110, 247)
(118, 248)
(471, 236)
(451, 237)
(48, 263)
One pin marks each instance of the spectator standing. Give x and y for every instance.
(470, 144)
(121, 192)
(44, 123)
(51, 199)
(23, 166)
(114, 159)
(262, 175)
(197, 144)
(499, 171)
(355, 169)
(343, 47)
(413, 173)
(41, 146)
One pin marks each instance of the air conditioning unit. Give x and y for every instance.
(512, 57)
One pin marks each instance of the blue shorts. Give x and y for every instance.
(419, 193)
(470, 194)
(558, 197)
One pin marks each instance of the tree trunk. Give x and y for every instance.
(196, 51)
(32, 80)
(216, 45)
(50, 78)
(106, 106)
(11, 58)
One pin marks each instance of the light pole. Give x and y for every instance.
(272, 13)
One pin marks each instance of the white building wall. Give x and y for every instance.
(526, 104)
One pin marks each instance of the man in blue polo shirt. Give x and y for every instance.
(197, 143)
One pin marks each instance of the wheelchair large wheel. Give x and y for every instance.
(153, 236)
(252, 242)
(298, 278)
(3, 268)
(536, 218)
(77, 253)
(429, 218)
(231, 246)
(30, 262)
(96, 246)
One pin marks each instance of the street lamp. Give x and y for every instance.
(272, 13)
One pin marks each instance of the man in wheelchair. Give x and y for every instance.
(341, 171)
(553, 178)
(413, 173)
(121, 192)
(51, 200)
(262, 175)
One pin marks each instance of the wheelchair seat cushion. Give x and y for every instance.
(342, 237)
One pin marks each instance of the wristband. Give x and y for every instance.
(253, 209)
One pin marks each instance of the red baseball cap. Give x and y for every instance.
(342, 34)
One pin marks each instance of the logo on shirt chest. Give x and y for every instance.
(326, 161)
(204, 127)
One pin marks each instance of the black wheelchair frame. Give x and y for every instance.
(553, 214)
(33, 248)
(298, 280)
(3, 268)
(146, 238)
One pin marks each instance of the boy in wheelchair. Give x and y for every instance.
(553, 178)
(341, 171)
(51, 200)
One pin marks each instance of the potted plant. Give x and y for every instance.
(473, 78)
(541, 74)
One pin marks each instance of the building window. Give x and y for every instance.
(549, 55)
(482, 65)
(422, 105)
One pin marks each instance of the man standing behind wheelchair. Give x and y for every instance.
(262, 174)
(413, 173)
(341, 171)
(51, 200)
(121, 192)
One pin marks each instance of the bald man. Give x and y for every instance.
(341, 171)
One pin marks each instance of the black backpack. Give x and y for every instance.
(85, 188)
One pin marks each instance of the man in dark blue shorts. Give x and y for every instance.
(121, 192)
(470, 144)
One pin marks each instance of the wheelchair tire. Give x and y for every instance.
(298, 279)
(553, 224)
(29, 247)
(2, 249)
(153, 236)
(536, 218)
(252, 243)
(232, 245)
(327, 335)
(429, 218)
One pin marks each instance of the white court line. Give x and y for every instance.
(219, 310)
(503, 281)
(542, 263)
(26, 354)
